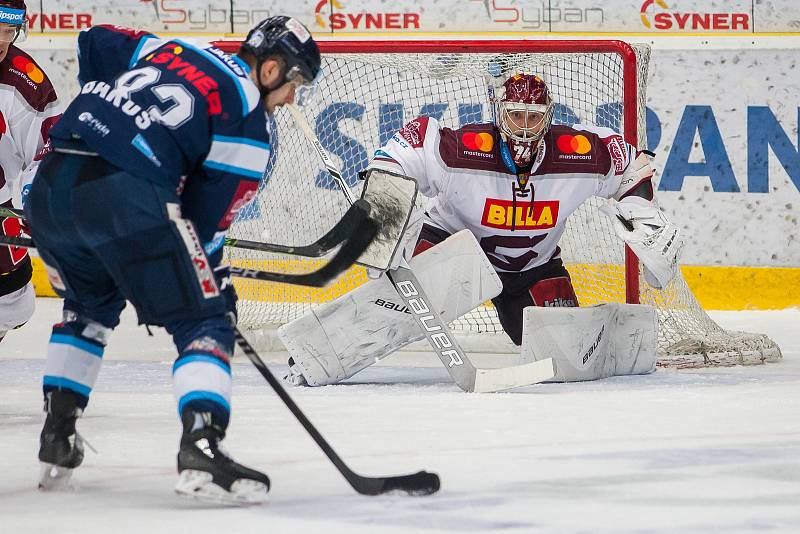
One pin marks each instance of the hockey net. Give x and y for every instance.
(367, 93)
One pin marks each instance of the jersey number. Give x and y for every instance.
(180, 102)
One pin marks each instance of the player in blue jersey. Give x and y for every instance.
(166, 142)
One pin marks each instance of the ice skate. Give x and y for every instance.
(60, 446)
(207, 473)
(295, 375)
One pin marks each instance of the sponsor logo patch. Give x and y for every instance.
(616, 148)
(482, 141)
(98, 126)
(9, 15)
(169, 56)
(28, 68)
(501, 214)
(298, 30)
(574, 147)
(414, 132)
(246, 192)
(143, 146)
(477, 145)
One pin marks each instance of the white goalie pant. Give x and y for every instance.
(337, 339)
(16, 308)
(593, 342)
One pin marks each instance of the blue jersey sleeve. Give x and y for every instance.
(105, 51)
(235, 169)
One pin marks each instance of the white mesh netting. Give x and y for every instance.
(365, 98)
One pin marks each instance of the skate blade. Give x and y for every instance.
(54, 478)
(198, 485)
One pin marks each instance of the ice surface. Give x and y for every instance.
(689, 451)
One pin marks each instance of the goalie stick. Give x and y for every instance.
(420, 483)
(345, 257)
(468, 377)
(344, 228)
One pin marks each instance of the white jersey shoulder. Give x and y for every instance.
(468, 174)
(28, 108)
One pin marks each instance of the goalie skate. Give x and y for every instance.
(54, 478)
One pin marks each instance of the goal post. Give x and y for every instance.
(370, 89)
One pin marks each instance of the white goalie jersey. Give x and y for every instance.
(28, 108)
(517, 219)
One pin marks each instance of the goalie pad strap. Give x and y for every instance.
(594, 342)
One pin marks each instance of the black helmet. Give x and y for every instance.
(288, 38)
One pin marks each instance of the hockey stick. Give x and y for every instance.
(463, 372)
(421, 483)
(344, 258)
(343, 229)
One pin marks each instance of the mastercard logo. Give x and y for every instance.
(478, 141)
(29, 68)
(574, 144)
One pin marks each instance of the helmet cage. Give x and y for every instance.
(304, 89)
(524, 133)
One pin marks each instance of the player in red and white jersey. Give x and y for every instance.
(514, 183)
(28, 105)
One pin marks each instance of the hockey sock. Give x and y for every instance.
(74, 358)
(201, 380)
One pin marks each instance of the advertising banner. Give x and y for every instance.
(165, 16)
(724, 126)
(408, 17)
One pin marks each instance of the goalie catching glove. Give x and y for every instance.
(651, 235)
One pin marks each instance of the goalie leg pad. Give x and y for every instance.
(594, 342)
(337, 339)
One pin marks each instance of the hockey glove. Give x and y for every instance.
(651, 235)
(228, 291)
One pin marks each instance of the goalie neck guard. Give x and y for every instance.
(524, 112)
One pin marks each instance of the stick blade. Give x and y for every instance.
(503, 378)
(416, 484)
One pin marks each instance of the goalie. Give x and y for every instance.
(512, 184)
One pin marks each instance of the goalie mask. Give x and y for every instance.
(523, 113)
